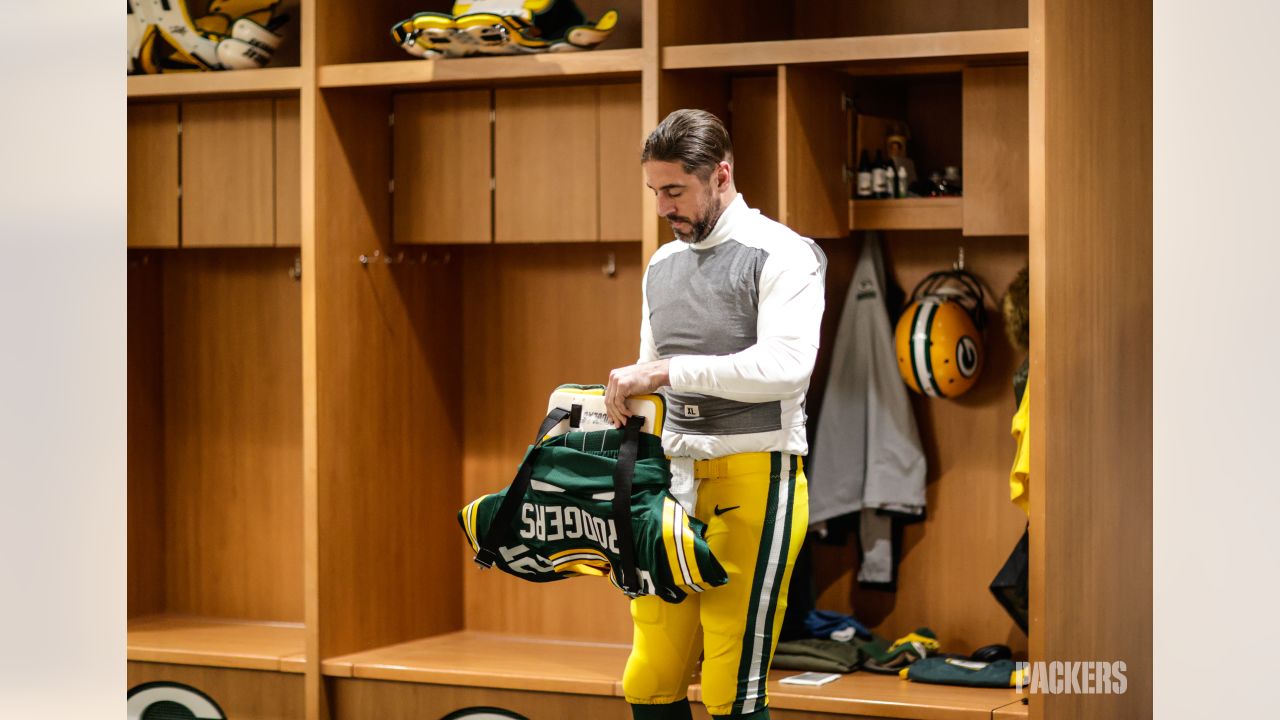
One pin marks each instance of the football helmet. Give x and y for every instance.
(502, 27)
(939, 336)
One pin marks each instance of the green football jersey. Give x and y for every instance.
(565, 525)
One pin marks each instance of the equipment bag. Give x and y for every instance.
(1010, 584)
(594, 502)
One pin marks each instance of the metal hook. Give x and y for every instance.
(399, 258)
(441, 259)
(295, 272)
(959, 264)
(610, 267)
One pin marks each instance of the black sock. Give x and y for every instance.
(678, 710)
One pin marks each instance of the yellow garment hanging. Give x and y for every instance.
(1020, 475)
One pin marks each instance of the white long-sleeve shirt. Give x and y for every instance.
(738, 313)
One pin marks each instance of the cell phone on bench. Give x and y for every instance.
(810, 679)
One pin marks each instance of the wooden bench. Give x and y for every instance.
(547, 679)
(251, 669)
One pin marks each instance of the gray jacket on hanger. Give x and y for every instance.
(866, 454)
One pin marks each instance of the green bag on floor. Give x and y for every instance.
(953, 671)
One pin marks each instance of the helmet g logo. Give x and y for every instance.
(967, 356)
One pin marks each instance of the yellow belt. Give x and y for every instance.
(732, 465)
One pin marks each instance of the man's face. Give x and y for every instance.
(690, 204)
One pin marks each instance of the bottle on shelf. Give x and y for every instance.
(878, 187)
(905, 168)
(937, 187)
(951, 175)
(890, 179)
(864, 176)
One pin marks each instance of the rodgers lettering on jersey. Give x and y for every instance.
(565, 523)
(552, 523)
(556, 539)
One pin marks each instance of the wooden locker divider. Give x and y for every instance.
(442, 167)
(152, 184)
(1091, 255)
(228, 193)
(995, 150)
(546, 167)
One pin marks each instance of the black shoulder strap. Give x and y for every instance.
(623, 473)
(500, 526)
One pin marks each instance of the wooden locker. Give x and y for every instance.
(546, 170)
(228, 178)
(621, 180)
(995, 151)
(442, 167)
(152, 183)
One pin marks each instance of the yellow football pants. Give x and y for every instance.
(756, 506)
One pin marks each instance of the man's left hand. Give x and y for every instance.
(633, 380)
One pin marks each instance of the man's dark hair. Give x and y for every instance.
(694, 138)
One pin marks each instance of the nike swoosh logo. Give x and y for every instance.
(720, 511)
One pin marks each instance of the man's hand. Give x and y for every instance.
(633, 380)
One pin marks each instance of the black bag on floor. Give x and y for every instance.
(1010, 584)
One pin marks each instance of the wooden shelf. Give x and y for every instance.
(485, 70)
(225, 82)
(985, 44)
(493, 660)
(215, 642)
(907, 214)
(866, 694)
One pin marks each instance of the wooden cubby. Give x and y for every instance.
(215, 464)
(473, 232)
(215, 435)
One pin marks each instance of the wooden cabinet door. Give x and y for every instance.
(814, 138)
(288, 197)
(152, 183)
(621, 180)
(228, 179)
(995, 151)
(442, 167)
(546, 169)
